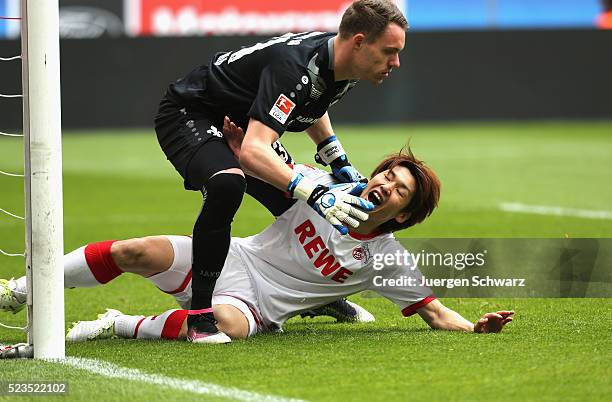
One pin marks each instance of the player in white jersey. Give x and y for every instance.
(300, 263)
(297, 264)
(163, 260)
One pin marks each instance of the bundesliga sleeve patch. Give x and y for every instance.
(282, 108)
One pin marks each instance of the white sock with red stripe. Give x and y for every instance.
(90, 266)
(76, 271)
(167, 325)
(85, 267)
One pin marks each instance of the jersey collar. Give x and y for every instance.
(368, 236)
(330, 53)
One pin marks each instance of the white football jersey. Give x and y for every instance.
(301, 262)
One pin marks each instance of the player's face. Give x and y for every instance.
(390, 191)
(376, 60)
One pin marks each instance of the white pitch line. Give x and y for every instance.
(110, 370)
(557, 211)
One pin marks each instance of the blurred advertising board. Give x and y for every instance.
(9, 28)
(86, 19)
(230, 17)
(79, 19)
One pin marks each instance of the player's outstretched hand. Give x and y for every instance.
(493, 322)
(233, 136)
(339, 204)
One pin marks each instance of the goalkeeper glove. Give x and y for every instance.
(335, 203)
(330, 152)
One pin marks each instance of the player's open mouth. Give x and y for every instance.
(375, 198)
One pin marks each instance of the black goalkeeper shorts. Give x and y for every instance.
(193, 142)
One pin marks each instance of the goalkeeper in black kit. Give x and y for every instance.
(284, 84)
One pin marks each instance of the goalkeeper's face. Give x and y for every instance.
(390, 191)
(375, 60)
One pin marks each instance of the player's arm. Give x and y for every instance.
(415, 297)
(335, 203)
(330, 151)
(321, 129)
(258, 158)
(439, 316)
(274, 106)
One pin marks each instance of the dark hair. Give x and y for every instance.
(427, 195)
(370, 17)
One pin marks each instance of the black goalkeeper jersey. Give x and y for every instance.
(287, 83)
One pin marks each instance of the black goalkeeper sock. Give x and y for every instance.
(211, 234)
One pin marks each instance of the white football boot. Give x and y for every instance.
(11, 299)
(102, 328)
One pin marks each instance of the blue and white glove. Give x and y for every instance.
(335, 203)
(330, 152)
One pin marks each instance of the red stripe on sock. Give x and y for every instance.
(100, 261)
(138, 326)
(173, 324)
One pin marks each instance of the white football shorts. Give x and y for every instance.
(234, 286)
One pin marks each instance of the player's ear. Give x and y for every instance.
(358, 40)
(402, 217)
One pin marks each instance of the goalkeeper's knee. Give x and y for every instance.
(222, 196)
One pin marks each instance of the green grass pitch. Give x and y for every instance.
(118, 185)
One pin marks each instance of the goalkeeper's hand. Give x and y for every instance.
(330, 152)
(345, 172)
(336, 203)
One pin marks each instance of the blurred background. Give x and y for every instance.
(509, 100)
(464, 59)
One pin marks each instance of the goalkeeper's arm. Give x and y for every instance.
(258, 157)
(331, 153)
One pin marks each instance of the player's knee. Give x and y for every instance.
(227, 188)
(133, 255)
(231, 321)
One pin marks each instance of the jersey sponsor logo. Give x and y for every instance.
(324, 261)
(306, 120)
(282, 108)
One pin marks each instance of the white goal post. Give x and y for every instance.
(43, 176)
